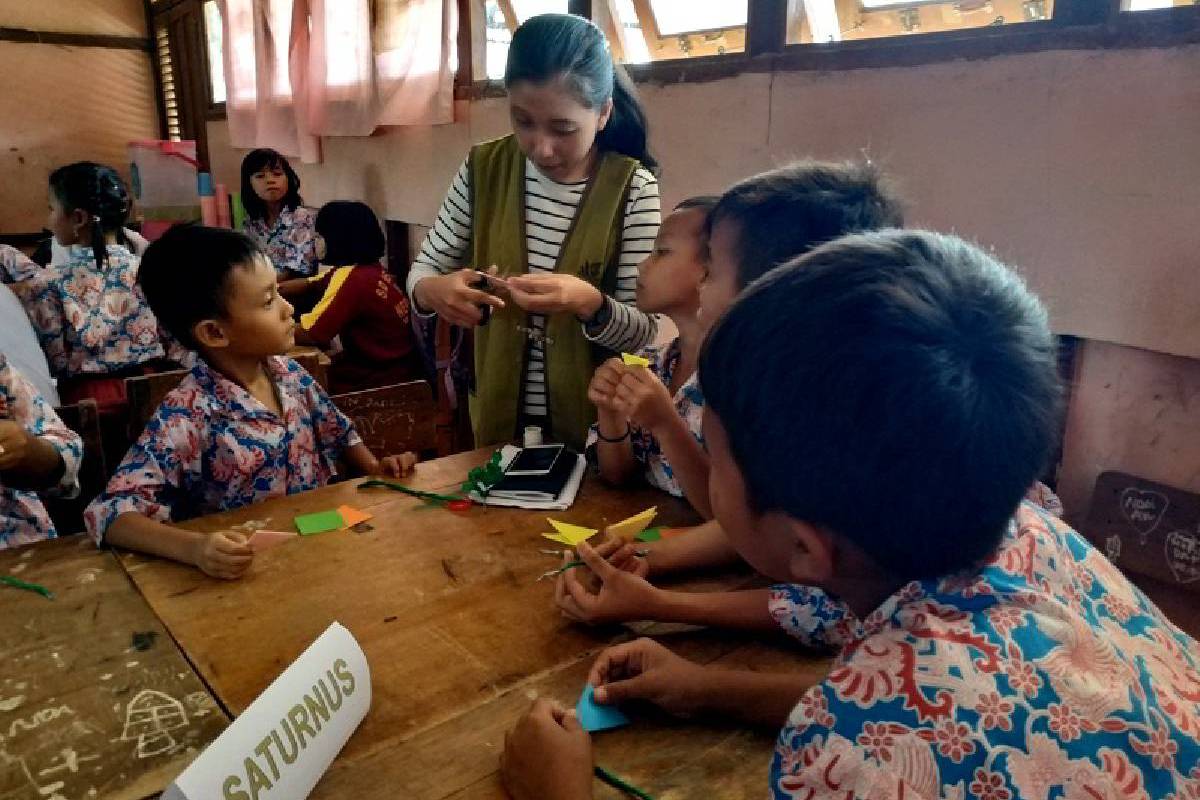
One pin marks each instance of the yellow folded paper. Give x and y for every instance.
(629, 528)
(634, 361)
(569, 534)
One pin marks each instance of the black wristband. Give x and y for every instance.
(628, 432)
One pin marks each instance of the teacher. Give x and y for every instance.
(562, 211)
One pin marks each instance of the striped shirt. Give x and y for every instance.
(550, 208)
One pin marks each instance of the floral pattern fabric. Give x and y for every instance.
(1045, 674)
(91, 321)
(23, 518)
(689, 403)
(291, 243)
(211, 446)
(15, 266)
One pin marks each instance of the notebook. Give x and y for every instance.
(555, 491)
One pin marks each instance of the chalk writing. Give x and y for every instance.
(10, 703)
(70, 762)
(149, 719)
(1112, 547)
(1182, 550)
(1144, 509)
(38, 719)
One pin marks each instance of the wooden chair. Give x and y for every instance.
(144, 393)
(1152, 533)
(453, 418)
(84, 419)
(393, 419)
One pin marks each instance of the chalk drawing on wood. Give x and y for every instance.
(1144, 509)
(149, 719)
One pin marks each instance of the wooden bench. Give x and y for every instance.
(393, 419)
(1152, 533)
(84, 419)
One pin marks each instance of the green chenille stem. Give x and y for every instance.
(17, 583)
(618, 783)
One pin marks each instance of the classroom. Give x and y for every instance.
(598, 399)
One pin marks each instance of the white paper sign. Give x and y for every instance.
(282, 744)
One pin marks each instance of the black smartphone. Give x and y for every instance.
(535, 461)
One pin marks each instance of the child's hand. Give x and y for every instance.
(645, 670)
(622, 596)
(603, 388)
(14, 444)
(397, 466)
(624, 556)
(548, 756)
(644, 399)
(224, 554)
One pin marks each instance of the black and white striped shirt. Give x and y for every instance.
(549, 210)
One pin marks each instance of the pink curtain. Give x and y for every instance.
(260, 105)
(299, 69)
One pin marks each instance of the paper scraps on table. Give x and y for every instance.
(568, 534)
(629, 528)
(320, 522)
(264, 540)
(595, 717)
(352, 516)
(634, 361)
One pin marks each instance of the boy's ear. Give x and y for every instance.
(605, 114)
(210, 333)
(79, 218)
(812, 553)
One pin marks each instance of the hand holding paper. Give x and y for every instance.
(622, 596)
(645, 670)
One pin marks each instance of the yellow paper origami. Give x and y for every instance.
(568, 534)
(629, 528)
(634, 361)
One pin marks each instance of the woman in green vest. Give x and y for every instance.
(561, 211)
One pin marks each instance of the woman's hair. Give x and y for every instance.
(351, 232)
(256, 161)
(98, 191)
(552, 46)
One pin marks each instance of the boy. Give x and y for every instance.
(992, 651)
(648, 418)
(243, 426)
(37, 451)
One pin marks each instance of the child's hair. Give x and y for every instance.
(552, 46)
(185, 275)
(351, 232)
(706, 202)
(903, 394)
(788, 211)
(266, 158)
(98, 191)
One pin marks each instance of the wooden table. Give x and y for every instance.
(96, 701)
(459, 635)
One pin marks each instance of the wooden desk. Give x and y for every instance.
(459, 636)
(96, 701)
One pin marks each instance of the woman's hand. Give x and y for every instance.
(453, 299)
(551, 293)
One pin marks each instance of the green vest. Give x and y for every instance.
(591, 251)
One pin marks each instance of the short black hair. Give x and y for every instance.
(351, 232)
(908, 407)
(260, 159)
(787, 211)
(185, 275)
(707, 202)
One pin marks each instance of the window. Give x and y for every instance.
(182, 59)
(849, 20)
(641, 31)
(501, 18)
(216, 51)
(1150, 5)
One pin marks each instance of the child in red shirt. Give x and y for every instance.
(360, 304)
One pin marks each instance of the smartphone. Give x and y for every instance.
(534, 461)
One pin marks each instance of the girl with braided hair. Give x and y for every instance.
(90, 317)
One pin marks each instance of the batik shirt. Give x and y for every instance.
(211, 446)
(16, 266)
(1045, 674)
(689, 404)
(91, 321)
(291, 243)
(23, 518)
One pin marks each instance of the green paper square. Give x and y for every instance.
(649, 535)
(320, 522)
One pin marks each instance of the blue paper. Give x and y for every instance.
(594, 717)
